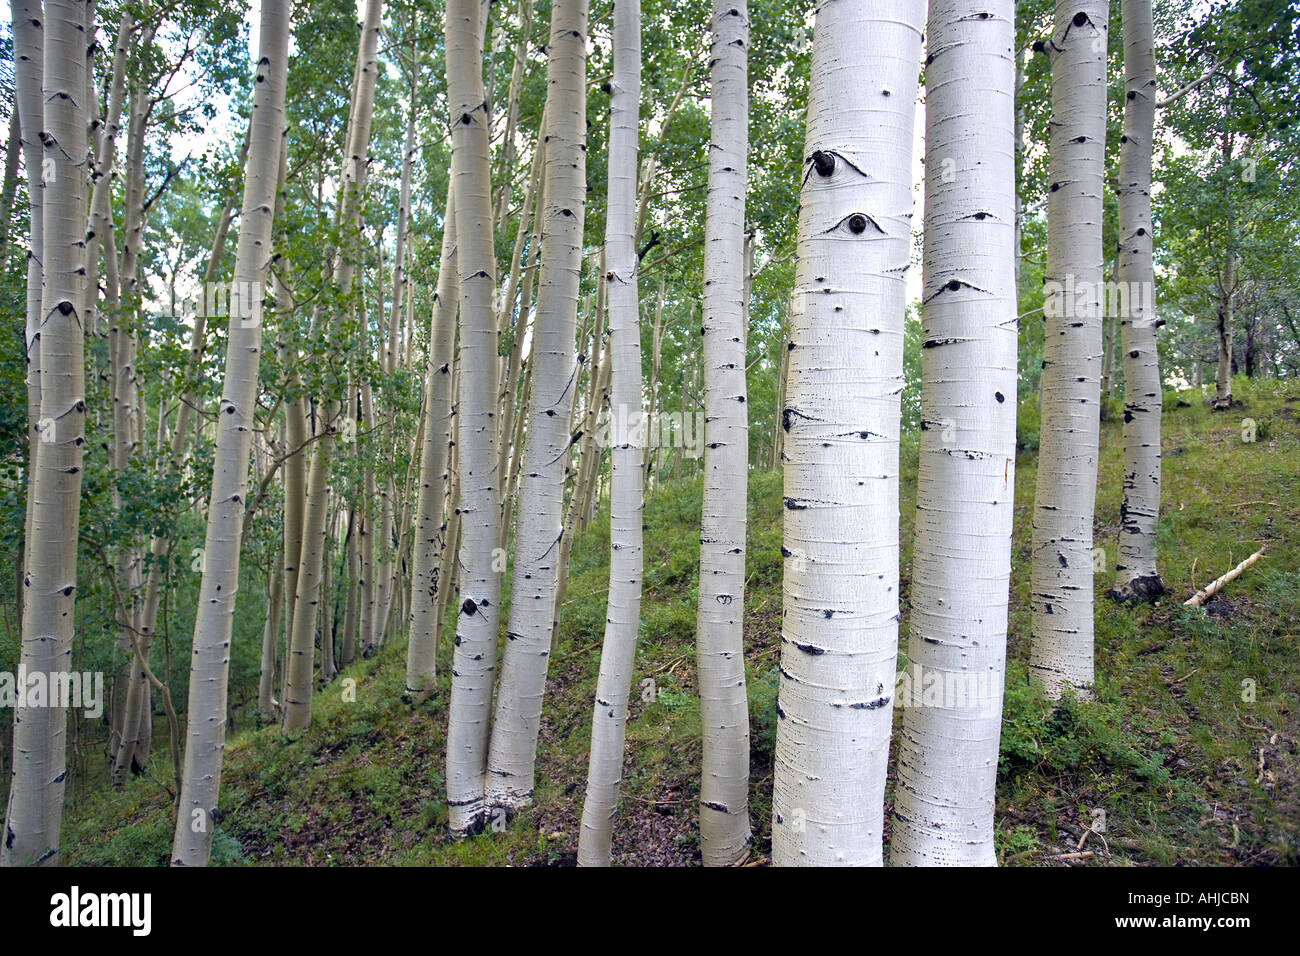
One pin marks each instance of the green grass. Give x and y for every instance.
(1167, 758)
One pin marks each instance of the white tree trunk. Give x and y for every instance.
(1061, 578)
(300, 656)
(474, 659)
(511, 759)
(948, 750)
(431, 526)
(839, 639)
(1136, 573)
(720, 649)
(209, 669)
(28, 51)
(31, 834)
(609, 720)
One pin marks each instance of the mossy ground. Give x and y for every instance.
(1188, 755)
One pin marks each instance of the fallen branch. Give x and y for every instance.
(1086, 854)
(1207, 592)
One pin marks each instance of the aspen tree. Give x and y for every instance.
(431, 525)
(28, 51)
(474, 659)
(1061, 575)
(948, 749)
(513, 752)
(210, 664)
(31, 833)
(720, 618)
(300, 656)
(839, 638)
(1136, 573)
(623, 615)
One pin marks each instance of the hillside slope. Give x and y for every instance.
(1189, 754)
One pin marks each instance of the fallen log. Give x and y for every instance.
(1207, 592)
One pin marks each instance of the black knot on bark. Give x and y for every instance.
(824, 163)
(857, 223)
(1080, 18)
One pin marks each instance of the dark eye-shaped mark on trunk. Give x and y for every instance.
(855, 224)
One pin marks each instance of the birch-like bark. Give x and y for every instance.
(29, 55)
(511, 407)
(295, 494)
(326, 627)
(961, 569)
(1061, 576)
(474, 660)
(1136, 573)
(525, 390)
(579, 500)
(431, 527)
(513, 752)
(300, 654)
(720, 615)
(783, 363)
(270, 638)
(209, 670)
(627, 503)
(839, 640)
(1021, 55)
(370, 567)
(525, 16)
(102, 175)
(13, 152)
(386, 571)
(348, 643)
(31, 834)
(656, 366)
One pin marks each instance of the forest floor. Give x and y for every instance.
(1187, 756)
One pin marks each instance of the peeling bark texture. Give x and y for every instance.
(435, 454)
(839, 640)
(720, 615)
(627, 503)
(513, 754)
(31, 833)
(474, 659)
(1136, 573)
(210, 664)
(1061, 576)
(948, 752)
